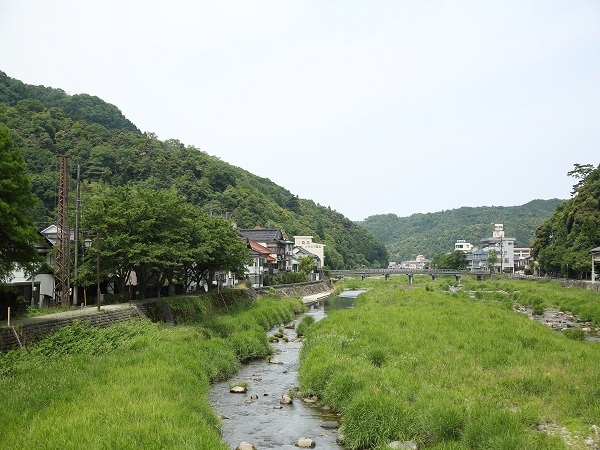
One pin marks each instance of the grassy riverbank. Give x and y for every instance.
(450, 371)
(138, 385)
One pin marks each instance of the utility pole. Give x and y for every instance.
(63, 238)
(501, 256)
(77, 212)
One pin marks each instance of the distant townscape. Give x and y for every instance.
(497, 253)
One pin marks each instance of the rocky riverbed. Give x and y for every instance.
(561, 320)
(268, 414)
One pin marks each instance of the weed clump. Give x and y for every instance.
(576, 334)
(304, 324)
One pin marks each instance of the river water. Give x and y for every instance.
(257, 416)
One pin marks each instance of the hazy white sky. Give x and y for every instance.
(370, 107)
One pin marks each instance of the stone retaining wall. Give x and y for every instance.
(298, 289)
(31, 333)
(159, 310)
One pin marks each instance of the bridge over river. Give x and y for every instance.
(434, 273)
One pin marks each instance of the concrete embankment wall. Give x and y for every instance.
(582, 284)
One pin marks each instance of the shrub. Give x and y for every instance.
(12, 299)
(538, 310)
(114, 299)
(304, 324)
(577, 334)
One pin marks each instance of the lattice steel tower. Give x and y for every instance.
(62, 272)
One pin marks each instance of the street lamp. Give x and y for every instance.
(88, 244)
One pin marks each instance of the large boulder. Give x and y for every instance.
(304, 442)
(245, 446)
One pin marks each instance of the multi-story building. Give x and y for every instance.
(522, 258)
(504, 247)
(463, 246)
(307, 243)
(276, 242)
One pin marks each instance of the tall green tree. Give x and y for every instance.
(17, 233)
(492, 259)
(220, 251)
(160, 236)
(141, 229)
(454, 260)
(562, 243)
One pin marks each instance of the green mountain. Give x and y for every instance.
(434, 233)
(46, 122)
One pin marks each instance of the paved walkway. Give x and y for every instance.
(91, 309)
(314, 298)
(79, 312)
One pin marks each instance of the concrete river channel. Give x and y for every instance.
(257, 417)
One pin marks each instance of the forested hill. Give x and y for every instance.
(434, 233)
(46, 122)
(84, 106)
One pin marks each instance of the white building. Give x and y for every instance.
(463, 246)
(306, 242)
(504, 247)
(40, 289)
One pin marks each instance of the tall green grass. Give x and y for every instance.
(131, 386)
(448, 371)
(583, 303)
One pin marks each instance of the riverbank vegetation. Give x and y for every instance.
(451, 371)
(134, 385)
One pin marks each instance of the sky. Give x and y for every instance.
(369, 107)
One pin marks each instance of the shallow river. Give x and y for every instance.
(263, 421)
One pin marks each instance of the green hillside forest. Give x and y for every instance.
(111, 151)
(434, 233)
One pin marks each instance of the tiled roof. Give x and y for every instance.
(302, 251)
(259, 248)
(262, 234)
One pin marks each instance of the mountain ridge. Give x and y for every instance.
(46, 122)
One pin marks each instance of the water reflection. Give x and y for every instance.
(343, 301)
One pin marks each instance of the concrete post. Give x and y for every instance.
(457, 278)
(410, 278)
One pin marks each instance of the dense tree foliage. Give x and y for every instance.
(435, 233)
(563, 242)
(87, 107)
(111, 152)
(159, 236)
(17, 233)
(453, 260)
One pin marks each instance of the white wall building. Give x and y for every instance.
(306, 242)
(504, 247)
(463, 246)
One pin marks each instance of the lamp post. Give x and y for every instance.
(501, 256)
(88, 244)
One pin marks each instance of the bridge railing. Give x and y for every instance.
(408, 271)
